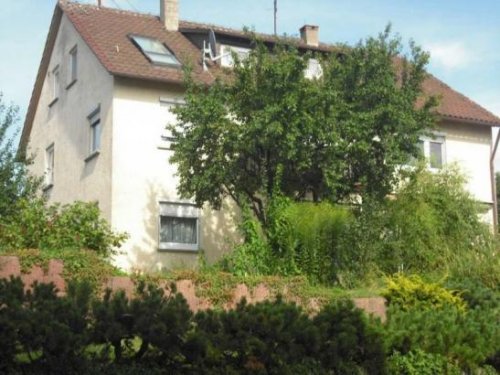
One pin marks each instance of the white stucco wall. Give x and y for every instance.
(469, 146)
(65, 124)
(142, 177)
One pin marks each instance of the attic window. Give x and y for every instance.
(155, 51)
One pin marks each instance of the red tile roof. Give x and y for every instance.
(107, 31)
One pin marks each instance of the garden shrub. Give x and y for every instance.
(269, 336)
(50, 331)
(475, 294)
(409, 292)
(466, 339)
(155, 332)
(300, 239)
(431, 225)
(253, 256)
(73, 226)
(305, 236)
(418, 362)
(348, 343)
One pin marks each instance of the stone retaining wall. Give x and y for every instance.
(10, 266)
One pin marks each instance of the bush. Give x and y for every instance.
(155, 332)
(419, 362)
(348, 344)
(50, 331)
(409, 292)
(305, 236)
(467, 339)
(300, 239)
(430, 226)
(73, 226)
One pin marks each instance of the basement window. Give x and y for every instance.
(155, 51)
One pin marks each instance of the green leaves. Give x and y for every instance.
(15, 183)
(267, 128)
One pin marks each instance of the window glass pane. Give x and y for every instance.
(96, 136)
(436, 154)
(74, 64)
(156, 51)
(150, 45)
(163, 59)
(178, 230)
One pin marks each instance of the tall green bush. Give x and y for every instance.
(431, 225)
(73, 226)
(306, 235)
(301, 238)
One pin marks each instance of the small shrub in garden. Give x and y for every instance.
(74, 226)
(269, 336)
(419, 362)
(348, 343)
(409, 292)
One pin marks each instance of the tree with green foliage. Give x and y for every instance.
(267, 129)
(15, 183)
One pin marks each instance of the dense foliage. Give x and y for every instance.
(432, 225)
(269, 129)
(302, 239)
(410, 292)
(433, 228)
(14, 180)
(156, 332)
(36, 225)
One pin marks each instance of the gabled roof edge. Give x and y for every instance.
(42, 71)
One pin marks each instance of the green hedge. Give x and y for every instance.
(157, 333)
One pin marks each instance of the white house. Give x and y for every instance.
(101, 100)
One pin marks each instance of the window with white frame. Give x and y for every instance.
(167, 139)
(313, 70)
(179, 226)
(95, 131)
(227, 54)
(55, 84)
(155, 51)
(49, 166)
(73, 65)
(433, 149)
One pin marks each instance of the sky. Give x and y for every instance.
(462, 36)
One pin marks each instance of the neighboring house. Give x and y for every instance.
(102, 98)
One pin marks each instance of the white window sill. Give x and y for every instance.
(178, 247)
(92, 156)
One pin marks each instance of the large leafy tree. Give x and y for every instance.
(266, 128)
(15, 183)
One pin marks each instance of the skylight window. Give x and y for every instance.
(156, 51)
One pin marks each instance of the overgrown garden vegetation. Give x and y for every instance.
(315, 166)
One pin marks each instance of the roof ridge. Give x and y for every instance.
(66, 3)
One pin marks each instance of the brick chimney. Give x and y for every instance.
(169, 14)
(310, 35)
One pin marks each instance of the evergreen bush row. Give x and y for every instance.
(155, 332)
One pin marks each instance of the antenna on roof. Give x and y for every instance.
(210, 49)
(275, 16)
